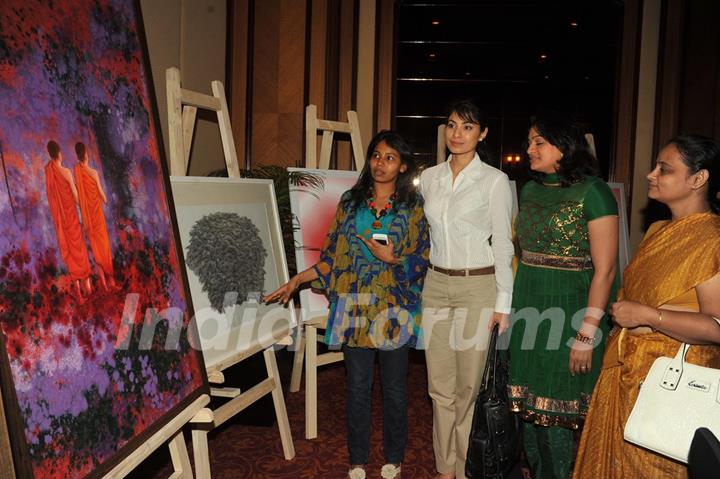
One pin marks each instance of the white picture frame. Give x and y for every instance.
(314, 210)
(228, 331)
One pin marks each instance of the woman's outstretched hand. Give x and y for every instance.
(283, 293)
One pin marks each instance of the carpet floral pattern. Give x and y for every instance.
(241, 451)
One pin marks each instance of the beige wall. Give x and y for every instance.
(645, 123)
(190, 35)
(278, 72)
(366, 69)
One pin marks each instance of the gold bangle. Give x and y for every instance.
(659, 317)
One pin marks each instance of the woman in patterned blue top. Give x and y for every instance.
(374, 292)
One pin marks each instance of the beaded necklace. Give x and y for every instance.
(382, 211)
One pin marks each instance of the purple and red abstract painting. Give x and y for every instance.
(94, 311)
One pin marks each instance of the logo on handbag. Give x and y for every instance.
(699, 385)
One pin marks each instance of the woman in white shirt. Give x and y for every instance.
(468, 287)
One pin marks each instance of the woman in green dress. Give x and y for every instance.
(567, 230)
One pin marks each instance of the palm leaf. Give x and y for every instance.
(282, 180)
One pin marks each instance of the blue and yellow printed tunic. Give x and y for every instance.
(374, 304)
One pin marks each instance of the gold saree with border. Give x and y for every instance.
(673, 259)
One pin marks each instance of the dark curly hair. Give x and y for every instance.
(404, 187)
(702, 153)
(561, 130)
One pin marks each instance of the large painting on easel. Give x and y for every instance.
(314, 208)
(96, 348)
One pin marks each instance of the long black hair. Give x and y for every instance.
(468, 111)
(702, 153)
(405, 190)
(561, 130)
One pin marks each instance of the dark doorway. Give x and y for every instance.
(512, 57)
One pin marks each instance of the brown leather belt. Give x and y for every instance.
(464, 272)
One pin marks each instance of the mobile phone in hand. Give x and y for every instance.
(380, 238)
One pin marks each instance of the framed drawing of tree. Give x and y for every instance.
(234, 254)
(96, 350)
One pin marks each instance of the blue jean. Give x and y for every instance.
(360, 367)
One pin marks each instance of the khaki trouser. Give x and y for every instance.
(456, 313)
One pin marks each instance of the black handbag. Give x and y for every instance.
(494, 445)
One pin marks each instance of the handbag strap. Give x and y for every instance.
(674, 370)
(491, 362)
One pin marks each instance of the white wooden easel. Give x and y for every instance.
(307, 332)
(172, 434)
(182, 109)
(329, 128)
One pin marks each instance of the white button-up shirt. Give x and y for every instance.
(464, 215)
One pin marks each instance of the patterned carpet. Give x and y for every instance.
(241, 450)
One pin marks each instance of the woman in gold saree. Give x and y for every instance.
(670, 295)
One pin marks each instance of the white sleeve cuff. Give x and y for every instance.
(503, 302)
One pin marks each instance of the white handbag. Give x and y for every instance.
(675, 399)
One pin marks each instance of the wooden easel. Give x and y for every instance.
(329, 128)
(308, 337)
(307, 332)
(182, 110)
(172, 434)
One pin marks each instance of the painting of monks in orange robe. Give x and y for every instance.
(63, 200)
(92, 198)
(87, 376)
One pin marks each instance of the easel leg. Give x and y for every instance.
(180, 458)
(310, 382)
(201, 453)
(279, 401)
(298, 359)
